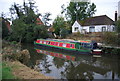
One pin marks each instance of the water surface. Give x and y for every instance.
(73, 66)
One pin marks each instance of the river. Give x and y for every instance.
(73, 66)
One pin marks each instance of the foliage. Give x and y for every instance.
(118, 26)
(46, 18)
(110, 38)
(25, 27)
(58, 23)
(61, 27)
(78, 10)
(64, 32)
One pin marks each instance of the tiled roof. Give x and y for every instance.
(97, 20)
(39, 22)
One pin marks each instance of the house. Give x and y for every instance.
(118, 9)
(94, 24)
(6, 22)
(39, 22)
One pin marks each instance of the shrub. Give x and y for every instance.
(110, 38)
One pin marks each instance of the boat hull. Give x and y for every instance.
(61, 49)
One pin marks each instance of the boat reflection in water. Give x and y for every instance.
(71, 66)
(54, 54)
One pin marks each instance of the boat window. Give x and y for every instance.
(64, 45)
(40, 41)
(70, 45)
(95, 45)
(44, 42)
(86, 45)
(58, 44)
(49, 42)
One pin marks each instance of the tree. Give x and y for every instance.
(78, 10)
(46, 18)
(25, 27)
(58, 23)
(118, 26)
(61, 27)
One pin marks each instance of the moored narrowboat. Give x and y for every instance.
(82, 46)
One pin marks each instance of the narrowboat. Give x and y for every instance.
(82, 46)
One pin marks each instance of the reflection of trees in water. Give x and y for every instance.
(59, 62)
(45, 64)
(82, 70)
(112, 63)
(77, 72)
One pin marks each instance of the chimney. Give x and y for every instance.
(115, 15)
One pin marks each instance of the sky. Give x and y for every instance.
(104, 7)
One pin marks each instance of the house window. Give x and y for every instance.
(92, 29)
(113, 29)
(76, 28)
(103, 29)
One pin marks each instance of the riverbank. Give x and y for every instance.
(12, 58)
(20, 71)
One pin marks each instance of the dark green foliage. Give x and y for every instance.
(64, 32)
(58, 24)
(79, 10)
(61, 27)
(111, 38)
(25, 27)
(46, 18)
(118, 26)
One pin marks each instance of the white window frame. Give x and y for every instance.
(91, 29)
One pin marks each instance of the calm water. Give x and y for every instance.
(73, 66)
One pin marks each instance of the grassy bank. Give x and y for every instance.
(7, 71)
(12, 67)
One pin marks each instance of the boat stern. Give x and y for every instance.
(97, 51)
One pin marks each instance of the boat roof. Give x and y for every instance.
(68, 41)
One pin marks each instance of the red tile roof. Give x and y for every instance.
(39, 22)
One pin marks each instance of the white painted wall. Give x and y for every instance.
(76, 24)
(119, 9)
(98, 28)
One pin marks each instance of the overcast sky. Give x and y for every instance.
(104, 7)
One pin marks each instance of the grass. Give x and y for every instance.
(7, 72)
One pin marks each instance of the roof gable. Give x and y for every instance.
(39, 22)
(97, 20)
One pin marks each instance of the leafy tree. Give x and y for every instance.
(25, 27)
(58, 23)
(61, 27)
(78, 10)
(46, 18)
(118, 26)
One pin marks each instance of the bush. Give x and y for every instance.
(110, 38)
